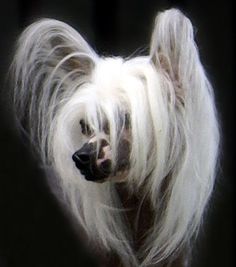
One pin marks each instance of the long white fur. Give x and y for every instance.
(59, 79)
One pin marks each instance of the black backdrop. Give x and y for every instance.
(34, 230)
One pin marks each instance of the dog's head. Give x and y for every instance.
(148, 121)
(105, 129)
(94, 158)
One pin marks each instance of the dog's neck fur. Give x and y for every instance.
(135, 204)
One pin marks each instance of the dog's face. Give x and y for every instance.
(94, 158)
(104, 130)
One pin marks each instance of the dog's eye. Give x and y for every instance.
(106, 128)
(85, 129)
(127, 121)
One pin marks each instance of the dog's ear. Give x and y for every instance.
(49, 44)
(51, 61)
(190, 147)
(173, 49)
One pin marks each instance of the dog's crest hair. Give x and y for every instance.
(59, 80)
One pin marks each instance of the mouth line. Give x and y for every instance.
(100, 177)
(93, 174)
(90, 176)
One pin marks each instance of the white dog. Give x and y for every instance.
(133, 142)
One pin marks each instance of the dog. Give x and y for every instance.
(133, 142)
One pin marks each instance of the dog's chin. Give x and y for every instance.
(100, 181)
(93, 177)
(119, 177)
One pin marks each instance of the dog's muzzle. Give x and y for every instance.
(91, 164)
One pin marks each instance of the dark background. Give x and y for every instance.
(34, 230)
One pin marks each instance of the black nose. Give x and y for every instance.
(85, 160)
(85, 156)
(81, 158)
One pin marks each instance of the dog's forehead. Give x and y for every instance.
(116, 73)
(108, 74)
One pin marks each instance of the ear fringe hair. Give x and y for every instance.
(51, 62)
(193, 136)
